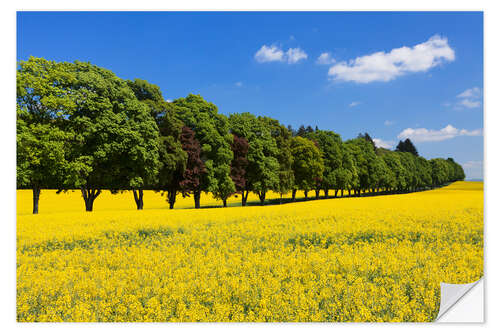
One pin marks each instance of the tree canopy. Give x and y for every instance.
(79, 126)
(407, 146)
(308, 165)
(211, 129)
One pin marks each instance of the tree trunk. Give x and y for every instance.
(138, 194)
(197, 196)
(89, 195)
(262, 197)
(36, 198)
(224, 202)
(305, 193)
(326, 193)
(341, 192)
(336, 192)
(172, 195)
(317, 193)
(349, 190)
(244, 197)
(294, 192)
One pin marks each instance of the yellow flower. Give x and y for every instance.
(378, 258)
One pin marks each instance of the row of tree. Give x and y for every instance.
(80, 126)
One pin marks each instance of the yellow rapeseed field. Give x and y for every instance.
(376, 258)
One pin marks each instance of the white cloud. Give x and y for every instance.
(388, 122)
(169, 101)
(472, 92)
(239, 84)
(353, 104)
(275, 53)
(269, 53)
(325, 58)
(295, 55)
(470, 98)
(429, 135)
(382, 66)
(383, 144)
(468, 103)
(473, 169)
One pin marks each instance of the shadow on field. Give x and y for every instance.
(278, 201)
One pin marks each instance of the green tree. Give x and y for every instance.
(408, 163)
(456, 171)
(41, 157)
(330, 145)
(407, 146)
(172, 158)
(393, 162)
(212, 131)
(239, 164)
(424, 173)
(364, 157)
(282, 137)
(439, 171)
(115, 144)
(262, 174)
(368, 138)
(307, 165)
(346, 177)
(41, 102)
(381, 175)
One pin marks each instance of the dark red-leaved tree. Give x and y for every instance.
(239, 163)
(195, 168)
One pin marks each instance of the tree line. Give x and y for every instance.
(79, 126)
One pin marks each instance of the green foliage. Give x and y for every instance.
(347, 175)
(172, 158)
(424, 172)
(116, 138)
(439, 171)
(41, 154)
(212, 131)
(393, 162)
(111, 139)
(329, 144)
(41, 91)
(308, 164)
(364, 157)
(80, 126)
(263, 168)
(410, 174)
(282, 137)
(407, 146)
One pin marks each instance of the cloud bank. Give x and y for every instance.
(325, 59)
(383, 144)
(382, 66)
(470, 98)
(429, 135)
(275, 53)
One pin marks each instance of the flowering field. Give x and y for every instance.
(376, 258)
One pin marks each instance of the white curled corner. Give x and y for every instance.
(453, 294)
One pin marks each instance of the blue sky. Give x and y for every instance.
(393, 75)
